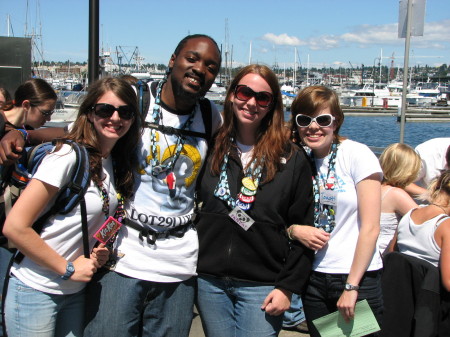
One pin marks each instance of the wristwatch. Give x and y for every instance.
(349, 287)
(70, 269)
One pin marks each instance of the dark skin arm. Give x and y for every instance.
(11, 145)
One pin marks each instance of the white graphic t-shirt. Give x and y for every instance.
(160, 204)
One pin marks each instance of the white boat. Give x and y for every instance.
(377, 94)
(424, 93)
(67, 106)
(216, 93)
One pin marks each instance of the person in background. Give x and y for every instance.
(33, 104)
(34, 101)
(423, 233)
(433, 154)
(400, 165)
(46, 291)
(256, 183)
(347, 194)
(150, 287)
(4, 96)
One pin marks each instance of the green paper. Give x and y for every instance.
(334, 325)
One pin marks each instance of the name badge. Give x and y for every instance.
(241, 218)
(107, 230)
(328, 197)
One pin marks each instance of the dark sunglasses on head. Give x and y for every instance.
(104, 110)
(244, 93)
(304, 121)
(45, 113)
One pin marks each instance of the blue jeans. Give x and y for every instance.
(231, 308)
(324, 290)
(122, 306)
(5, 256)
(295, 315)
(33, 313)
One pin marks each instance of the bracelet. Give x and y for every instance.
(24, 134)
(289, 232)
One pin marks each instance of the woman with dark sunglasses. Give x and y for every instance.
(255, 185)
(46, 291)
(347, 184)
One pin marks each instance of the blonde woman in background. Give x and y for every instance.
(400, 165)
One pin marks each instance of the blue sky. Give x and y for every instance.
(326, 32)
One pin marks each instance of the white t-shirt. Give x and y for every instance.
(154, 205)
(432, 152)
(63, 232)
(354, 162)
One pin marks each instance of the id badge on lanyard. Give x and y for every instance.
(241, 218)
(328, 197)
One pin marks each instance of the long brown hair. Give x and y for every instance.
(272, 139)
(123, 154)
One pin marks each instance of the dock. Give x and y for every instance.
(432, 114)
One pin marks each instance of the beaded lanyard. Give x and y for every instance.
(120, 211)
(324, 215)
(246, 196)
(157, 167)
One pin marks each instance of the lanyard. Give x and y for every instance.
(250, 182)
(158, 167)
(324, 214)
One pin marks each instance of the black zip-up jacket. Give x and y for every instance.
(263, 253)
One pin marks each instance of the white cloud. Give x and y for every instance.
(436, 36)
(283, 40)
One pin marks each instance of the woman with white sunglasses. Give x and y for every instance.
(346, 183)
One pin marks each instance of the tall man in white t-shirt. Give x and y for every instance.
(150, 291)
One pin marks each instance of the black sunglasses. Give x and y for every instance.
(105, 110)
(304, 121)
(244, 93)
(45, 113)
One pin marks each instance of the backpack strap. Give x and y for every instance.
(144, 104)
(205, 107)
(143, 93)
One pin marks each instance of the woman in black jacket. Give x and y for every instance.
(255, 185)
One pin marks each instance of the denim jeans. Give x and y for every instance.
(295, 315)
(5, 256)
(324, 290)
(33, 313)
(231, 308)
(122, 306)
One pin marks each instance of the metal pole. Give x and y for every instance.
(93, 60)
(405, 70)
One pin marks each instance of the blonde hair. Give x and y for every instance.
(400, 165)
(440, 188)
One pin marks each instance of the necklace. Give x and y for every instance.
(324, 213)
(158, 167)
(443, 209)
(250, 182)
(120, 211)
